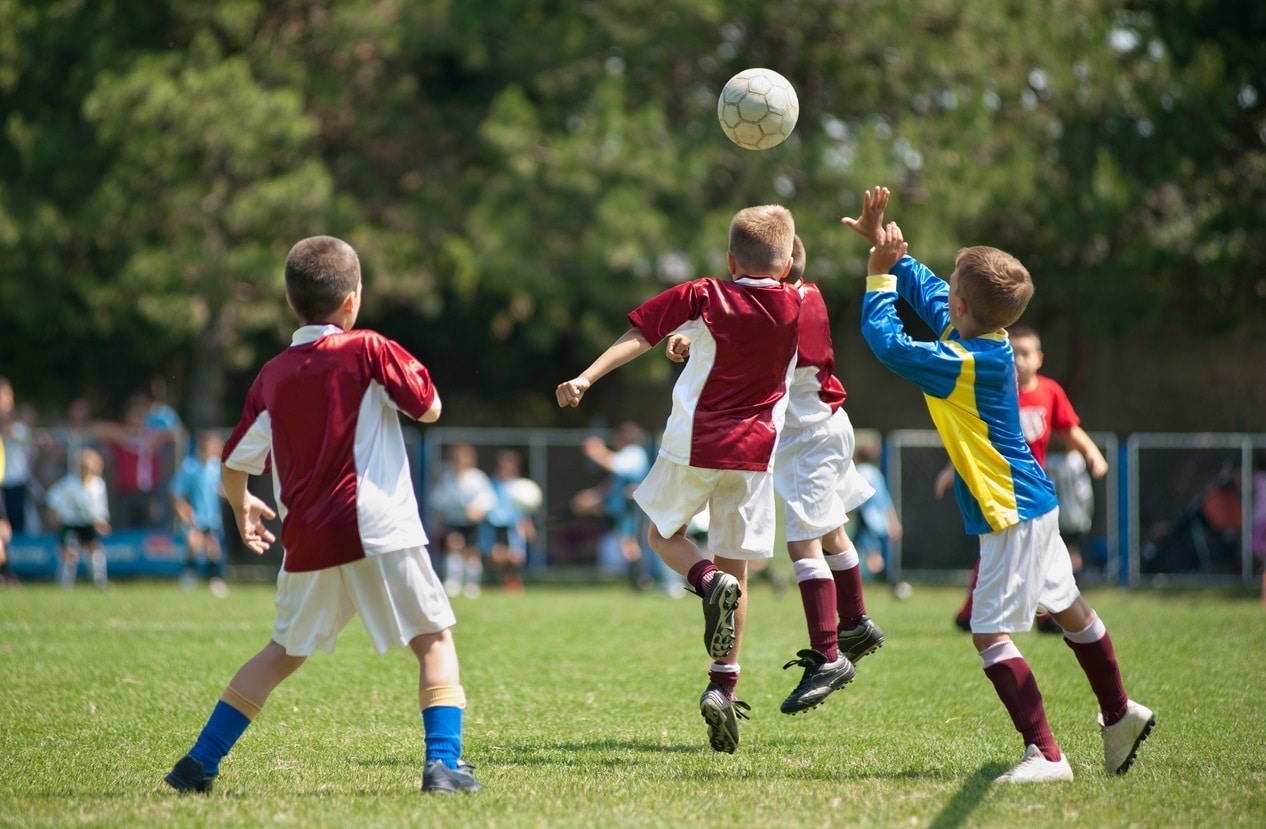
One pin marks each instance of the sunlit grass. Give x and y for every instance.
(583, 712)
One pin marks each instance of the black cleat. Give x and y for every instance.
(963, 623)
(722, 712)
(819, 680)
(438, 778)
(719, 602)
(864, 639)
(188, 776)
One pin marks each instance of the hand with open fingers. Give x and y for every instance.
(250, 523)
(871, 223)
(889, 247)
(678, 348)
(570, 393)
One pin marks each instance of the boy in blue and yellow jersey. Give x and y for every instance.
(968, 380)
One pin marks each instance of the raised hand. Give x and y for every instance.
(874, 203)
(889, 247)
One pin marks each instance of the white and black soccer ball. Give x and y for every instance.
(758, 109)
(526, 495)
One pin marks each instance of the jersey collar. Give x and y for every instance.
(312, 333)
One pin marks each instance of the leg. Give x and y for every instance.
(1125, 723)
(1016, 687)
(442, 701)
(858, 634)
(240, 703)
(826, 669)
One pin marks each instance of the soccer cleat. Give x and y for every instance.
(819, 680)
(722, 713)
(719, 602)
(864, 639)
(963, 623)
(438, 778)
(188, 776)
(1121, 740)
(1035, 768)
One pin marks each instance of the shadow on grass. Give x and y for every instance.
(958, 810)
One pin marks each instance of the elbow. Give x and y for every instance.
(432, 414)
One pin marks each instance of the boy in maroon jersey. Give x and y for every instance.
(815, 477)
(324, 414)
(718, 445)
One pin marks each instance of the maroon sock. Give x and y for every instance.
(818, 596)
(964, 612)
(848, 596)
(1017, 688)
(728, 680)
(700, 575)
(1099, 661)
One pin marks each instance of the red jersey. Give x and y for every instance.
(730, 399)
(1043, 410)
(815, 393)
(325, 411)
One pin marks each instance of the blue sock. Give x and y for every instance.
(442, 725)
(223, 728)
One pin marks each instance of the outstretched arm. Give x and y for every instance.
(874, 203)
(632, 344)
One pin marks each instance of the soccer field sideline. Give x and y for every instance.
(583, 712)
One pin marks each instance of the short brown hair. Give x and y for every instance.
(320, 272)
(798, 260)
(761, 239)
(1022, 331)
(994, 283)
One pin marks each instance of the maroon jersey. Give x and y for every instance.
(730, 400)
(816, 393)
(324, 410)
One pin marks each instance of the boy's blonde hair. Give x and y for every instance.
(798, 260)
(320, 272)
(994, 283)
(761, 239)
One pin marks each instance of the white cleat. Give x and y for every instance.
(1121, 740)
(1035, 768)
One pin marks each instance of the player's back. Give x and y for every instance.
(815, 393)
(728, 402)
(327, 408)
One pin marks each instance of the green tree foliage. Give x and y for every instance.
(518, 174)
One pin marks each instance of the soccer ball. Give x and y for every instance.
(758, 109)
(526, 495)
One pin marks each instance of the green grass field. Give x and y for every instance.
(583, 712)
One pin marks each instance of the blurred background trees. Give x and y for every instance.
(517, 175)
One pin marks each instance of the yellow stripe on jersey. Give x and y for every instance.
(982, 467)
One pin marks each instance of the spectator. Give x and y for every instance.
(136, 455)
(82, 509)
(1259, 515)
(15, 484)
(626, 463)
(462, 500)
(877, 522)
(195, 495)
(509, 522)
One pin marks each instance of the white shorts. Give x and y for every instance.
(1022, 568)
(397, 595)
(816, 479)
(740, 503)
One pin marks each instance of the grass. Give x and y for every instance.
(583, 712)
